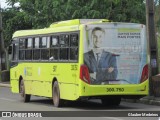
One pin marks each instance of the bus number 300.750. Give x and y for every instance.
(114, 89)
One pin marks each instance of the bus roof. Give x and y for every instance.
(76, 22)
(69, 25)
(62, 26)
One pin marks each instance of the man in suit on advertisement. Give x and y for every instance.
(102, 65)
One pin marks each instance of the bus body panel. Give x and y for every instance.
(105, 90)
(38, 78)
(14, 78)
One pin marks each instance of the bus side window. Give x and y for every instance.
(74, 46)
(55, 41)
(64, 40)
(64, 48)
(43, 42)
(45, 48)
(74, 40)
(54, 51)
(15, 52)
(22, 45)
(28, 52)
(64, 53)
(73, 53)
(36, 49)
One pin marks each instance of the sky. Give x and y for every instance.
(3, 4)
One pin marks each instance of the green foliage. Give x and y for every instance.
(14, 20)
(41, 13)
(157, 16)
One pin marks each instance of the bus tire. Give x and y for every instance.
(116, 101)
(107, 101)
(25, 97)
(56, 95)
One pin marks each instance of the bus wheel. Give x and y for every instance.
(25, 97)
(105, 102)
(56, 95)
(117, 101)
(113, 101)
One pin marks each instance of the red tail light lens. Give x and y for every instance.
(84, 74)
(144, 75)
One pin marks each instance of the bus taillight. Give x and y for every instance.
(84, 74)
(144, 75)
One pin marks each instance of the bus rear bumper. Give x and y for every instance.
(122, 90)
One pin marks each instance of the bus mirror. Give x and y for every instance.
(10, 50)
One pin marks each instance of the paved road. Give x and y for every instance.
(12, 102)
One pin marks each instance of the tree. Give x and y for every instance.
(41, 13)
(44, 13)
(157, 17)
(14, 20)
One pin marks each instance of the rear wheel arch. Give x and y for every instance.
(57, 101)
(54, 79)
(25, 97)
(20, 79)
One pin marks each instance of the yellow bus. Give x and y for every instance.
(81, 59)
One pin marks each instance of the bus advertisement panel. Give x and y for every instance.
(116, 53)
